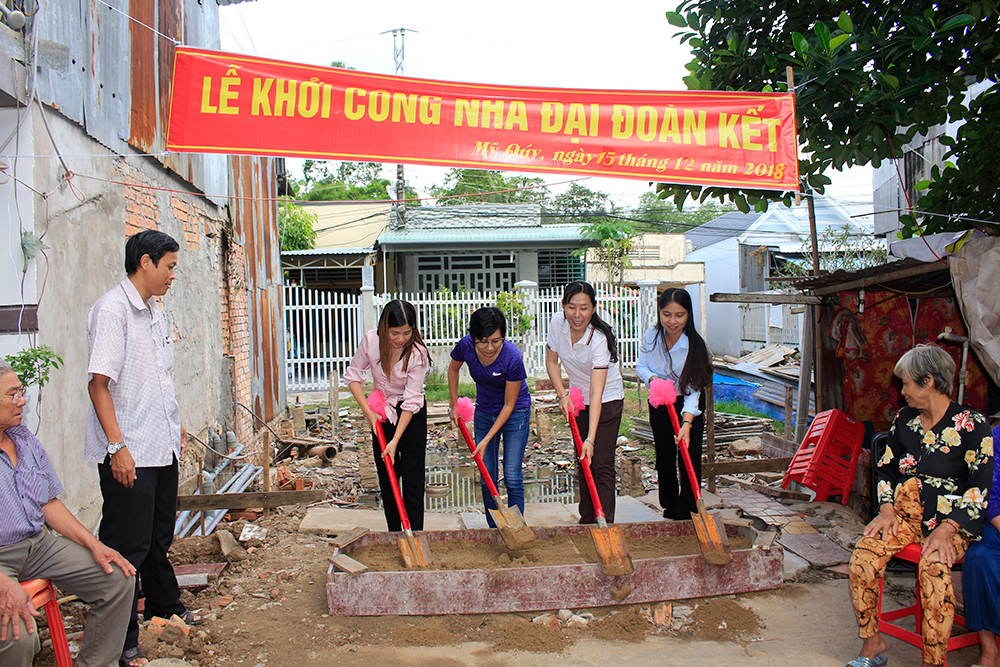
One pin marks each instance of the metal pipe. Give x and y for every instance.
(214, 521)
(235, 479)
(208, 484)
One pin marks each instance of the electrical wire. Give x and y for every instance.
(135, 20)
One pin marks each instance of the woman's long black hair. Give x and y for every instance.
(578, 286)
(398, 313)
(697, 371)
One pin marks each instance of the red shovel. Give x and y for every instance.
(515, 532)
(608, 540)
(709, 527)
(415, 550)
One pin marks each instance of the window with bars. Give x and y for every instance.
(558, 267)
(479, 273)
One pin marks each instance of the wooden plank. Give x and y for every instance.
(767, 490)
(345, 563)
(230, 501)
(341, 540)
(757, 297)
(752, 465)
(775, 447)
(871, 281)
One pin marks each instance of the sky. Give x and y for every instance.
(624, 45)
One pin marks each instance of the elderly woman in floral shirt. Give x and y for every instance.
(934, 480)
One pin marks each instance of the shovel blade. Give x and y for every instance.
(415, 550)
(712, 536)
(515, 532)
(612, 550)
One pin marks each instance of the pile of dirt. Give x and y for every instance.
(725, 620)
(627, 625)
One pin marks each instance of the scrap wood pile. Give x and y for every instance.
(780, 361)
(729, 428)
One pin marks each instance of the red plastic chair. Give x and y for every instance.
(828, 456)
(42, 595)
(911, 553)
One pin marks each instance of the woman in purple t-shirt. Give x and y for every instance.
(503, 404)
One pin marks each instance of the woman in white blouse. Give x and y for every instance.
(585, 346)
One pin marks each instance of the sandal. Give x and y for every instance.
(131, 654)
(877, 661)
(191, 618)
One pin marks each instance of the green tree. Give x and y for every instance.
(580, 204)
(616, 239)
(295, 226)
(488, 186)
(869, 77)
(343, 181)
(663, 216)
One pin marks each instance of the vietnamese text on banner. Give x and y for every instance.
(237, 104)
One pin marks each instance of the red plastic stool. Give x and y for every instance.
(911, 553)
(827, 459)
(42, 594)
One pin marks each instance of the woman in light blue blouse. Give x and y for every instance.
(672, 350)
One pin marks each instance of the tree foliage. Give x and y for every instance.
(869, 77)
(488, 186)
(664, 216)
(616, 239)
(342, 181)
(295, 226)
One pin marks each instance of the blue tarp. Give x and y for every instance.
(728, 388)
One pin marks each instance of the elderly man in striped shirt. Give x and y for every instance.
(75, 561)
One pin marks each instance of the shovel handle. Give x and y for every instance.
(587, 474)
(403, 519)
(695, 482)
(479, 459)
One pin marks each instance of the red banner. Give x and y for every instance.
(236, 104)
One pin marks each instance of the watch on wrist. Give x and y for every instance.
(113, 447)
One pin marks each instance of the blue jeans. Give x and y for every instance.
(515, 439)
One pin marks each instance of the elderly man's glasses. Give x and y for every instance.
(16, 396)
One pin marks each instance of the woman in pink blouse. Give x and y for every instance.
(397, 359)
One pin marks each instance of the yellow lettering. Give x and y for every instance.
(695, 127)
(492, 109)
(309, 99)
(469, 110)
(325, 108)
(727, 130)
(206, 94)
(772, 133)
(623, 121)
(353, 111)
(576, 120)
(226, 95)
(595, 117)
(517, 115)
(646, 121)
(405, 106)
(670, 129)
(430, 110)
(552, 117)
(260, 103)
(379, 105)
(750, 128)
(284, 98)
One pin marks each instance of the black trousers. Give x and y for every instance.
(676, 500)
(410, 467)
(602, 466)
(139, 524)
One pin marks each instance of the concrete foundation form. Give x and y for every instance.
(432, 592)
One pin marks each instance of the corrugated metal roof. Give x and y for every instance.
(730, 225)
(553, 233)
(327, 251)
(873, 276)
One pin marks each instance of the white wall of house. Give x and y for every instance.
(722, 326)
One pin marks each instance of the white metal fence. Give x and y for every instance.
(324, 328)
(757, 331)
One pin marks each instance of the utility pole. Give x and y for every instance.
(398, 53)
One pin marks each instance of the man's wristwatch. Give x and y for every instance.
(113, 447)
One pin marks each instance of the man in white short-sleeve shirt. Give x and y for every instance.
(134, 430)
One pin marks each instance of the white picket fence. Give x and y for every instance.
(324, 328)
